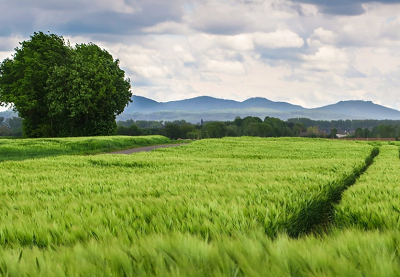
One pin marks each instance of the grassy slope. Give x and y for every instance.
(21, 149)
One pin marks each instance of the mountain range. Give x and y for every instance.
(210, 108)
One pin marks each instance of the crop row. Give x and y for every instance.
(374, 202)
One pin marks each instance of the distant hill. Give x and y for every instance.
(361, 109)
(204, 103)
(259, 102)
(210, 108)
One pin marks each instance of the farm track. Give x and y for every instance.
(145, 149)
(328, 215)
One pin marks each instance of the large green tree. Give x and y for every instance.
(61, 90)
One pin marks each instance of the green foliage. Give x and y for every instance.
(23, 80)
(362, 128)
(333, 133)
(213, 130)
(64, 91)
(173, 131)
(132, 130)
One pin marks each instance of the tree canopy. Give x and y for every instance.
(61, 90)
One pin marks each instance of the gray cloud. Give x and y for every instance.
(220, 22)
(82, 17)
(343, 7)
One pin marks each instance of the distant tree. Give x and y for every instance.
(333, 133)
(359, 133)
(126, 123)
(63, 91)
(238, 121)
(386, 131)
(186, 128)
(367, 133)
(258, 130)
(172, 130)
(132, 130)
(195, 134)
(299, 128)
(279, 127)
(214, 130)
(232, 131)
(313, 129)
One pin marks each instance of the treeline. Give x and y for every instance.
(248, 126)
(269, 127)
(380, 131)
(344, 125)
(368, 128)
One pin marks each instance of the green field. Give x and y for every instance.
(222, 207)
(22, 149)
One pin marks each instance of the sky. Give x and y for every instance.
(306, 52)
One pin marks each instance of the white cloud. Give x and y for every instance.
(321, 37)
(328, 59)
(168, 27)
(210, 78)
(205, 42)
(278, 39)
(226, 67)
(241, 42)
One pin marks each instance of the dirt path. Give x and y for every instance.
(146, 148)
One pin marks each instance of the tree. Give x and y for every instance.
(61, 90)
(23, 80)
(359, 133)
(214, 129)
(172, 130)
(333, 133)
(132, 130)
(258, 130)
(367, 132)
(299, 128)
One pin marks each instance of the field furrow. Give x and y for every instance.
(374, 202)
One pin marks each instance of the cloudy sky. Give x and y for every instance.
(307, 52)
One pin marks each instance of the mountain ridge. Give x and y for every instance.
(211, 108)
(215, 109)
